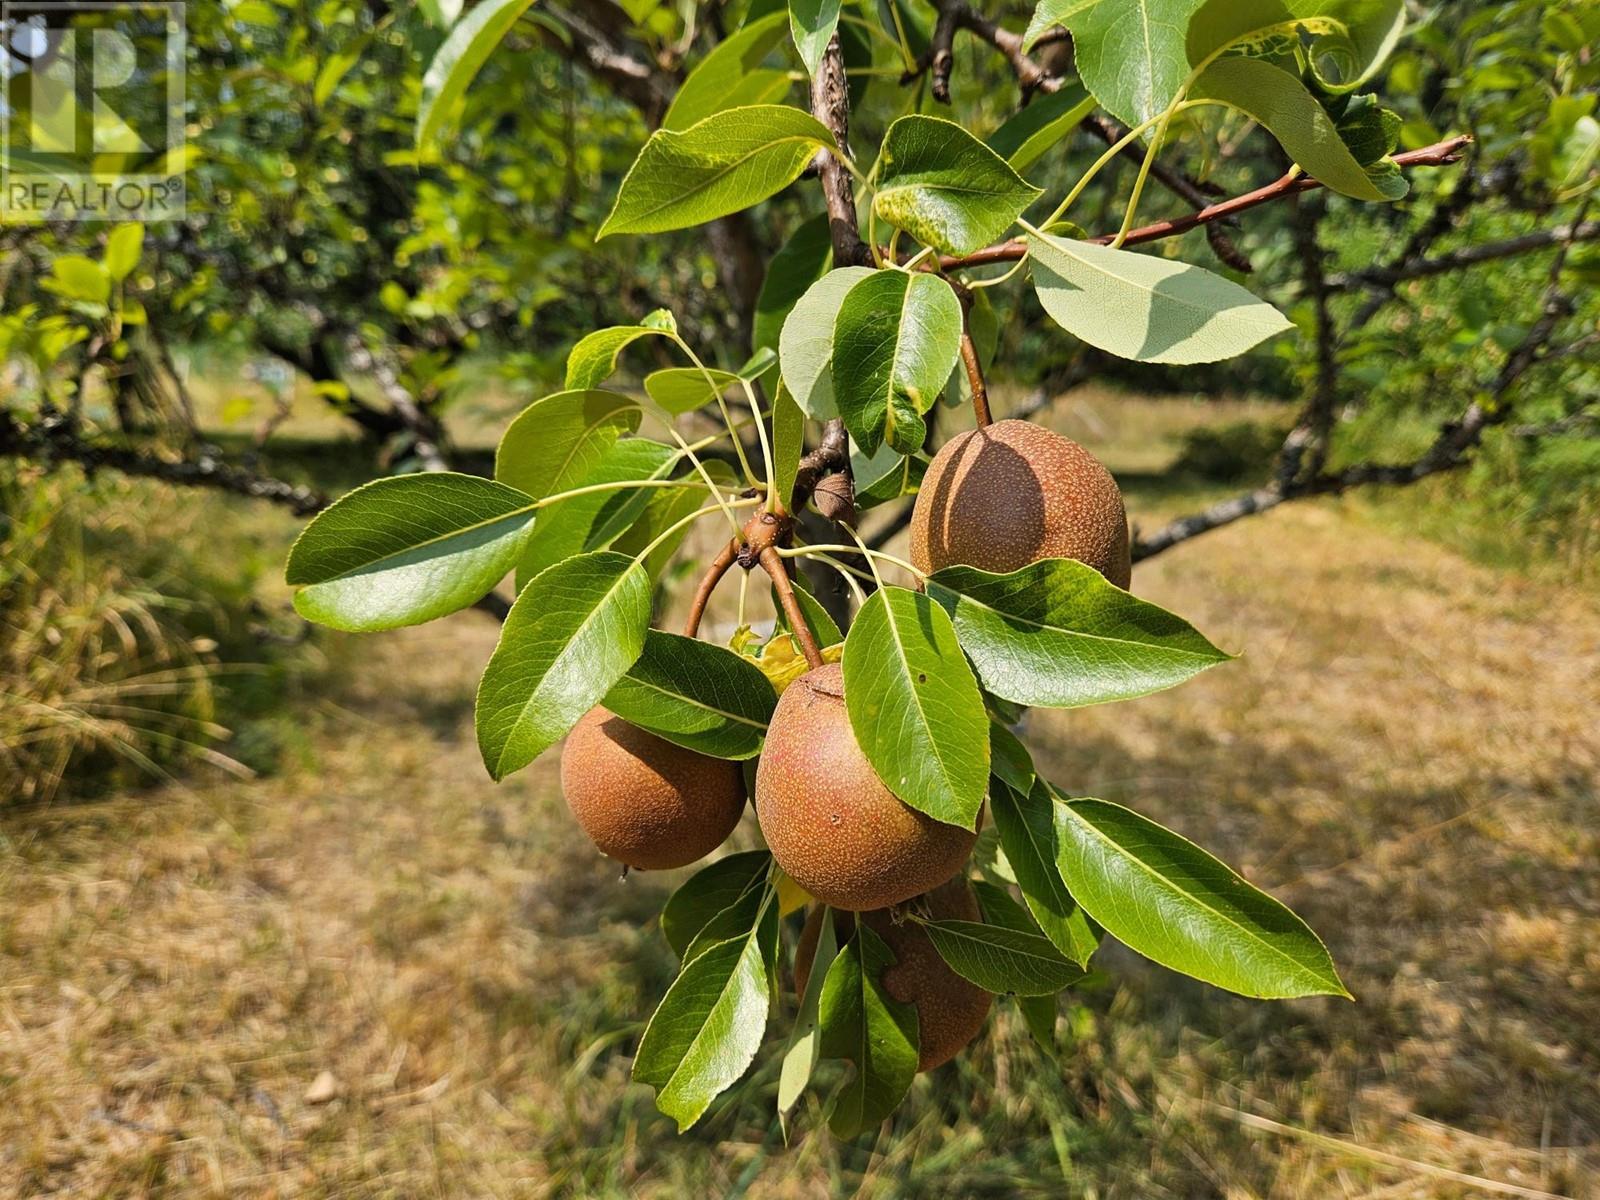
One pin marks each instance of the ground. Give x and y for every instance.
(374, 973)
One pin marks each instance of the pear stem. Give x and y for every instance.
(708, 584)
(778, 571)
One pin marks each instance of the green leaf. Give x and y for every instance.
(1302, 126)
(1345, 42)
(731, 75)
(1146, 308)
(700, 696)
(863, 1023)
(594, 359)
(915, 707)
(1163, 896)
(1130, 53)
(718, 166)
(823, 627)
(442, 13)
(573, 632)
(587, 522)
(1009, 760)
(812, 23)
(738, 917)
(1048, 15)
(457, 64)
(903, 480)
(681, 390)
(895, 342)
(1001, 960)
(1056, 634)
(802, 261)
(407, 549)
(946, 188)
(788, 443)
(556, 441)
(124, 248)
(805, 1041)
(711, 890)
(1025, 821)
(1046, 120)
(709, 1025)
(805, 348)
(78, 278)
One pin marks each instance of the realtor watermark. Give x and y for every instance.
(92, 116)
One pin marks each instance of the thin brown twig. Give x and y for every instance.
(980, 393)
(1436, 155)
(778, 571)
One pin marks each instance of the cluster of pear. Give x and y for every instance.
(996, 498)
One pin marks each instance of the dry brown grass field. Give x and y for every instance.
(374, 973)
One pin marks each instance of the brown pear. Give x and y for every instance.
(827, 817)
(1003, 497)
(644, 801)
(950, 1010)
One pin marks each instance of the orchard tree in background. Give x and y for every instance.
(407, 225)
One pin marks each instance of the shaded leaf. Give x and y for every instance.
(805, 1041)
(731, 75)
(556, 441)
(709, 891)
(681, 390)
(802, 261)
(594, 359)
(698, 695)
(1025, 821)
(456, 65)
(1002, 960)
(812, 23)
(1041, 124)
(788, 443)
(1130, 53)
(863, 1023)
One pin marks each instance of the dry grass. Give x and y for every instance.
(1407, 753)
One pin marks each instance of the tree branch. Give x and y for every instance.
(57, 439)
(1439, 154)
(1467, 256)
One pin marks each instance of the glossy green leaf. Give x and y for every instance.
(1001, 960)
(681, 390)
(1009, 760)
(124, 248)
(946, 188)
(1025, 821)
(1056, 634)
(805, 1041)
(863, 1023)
(896, 339)
(573, 632)
(711, 890)
(590, 521)
(802, 260)
(407, 549)
(1049, 14)
(1130, 53)
(1040, 125)
(556, 441)
(1302, 126)
(664, 509)
(698, 695)
(1349, 39)
(594, 359)
(725, 163)
(731, 75)
(709, 1025)
(915, 707)
(1163, 896)
(812, 24)
(457, 63)
(788, 443)
(903, 480)
(805, 348)
(1147, 308)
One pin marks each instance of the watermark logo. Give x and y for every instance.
(92, 122)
